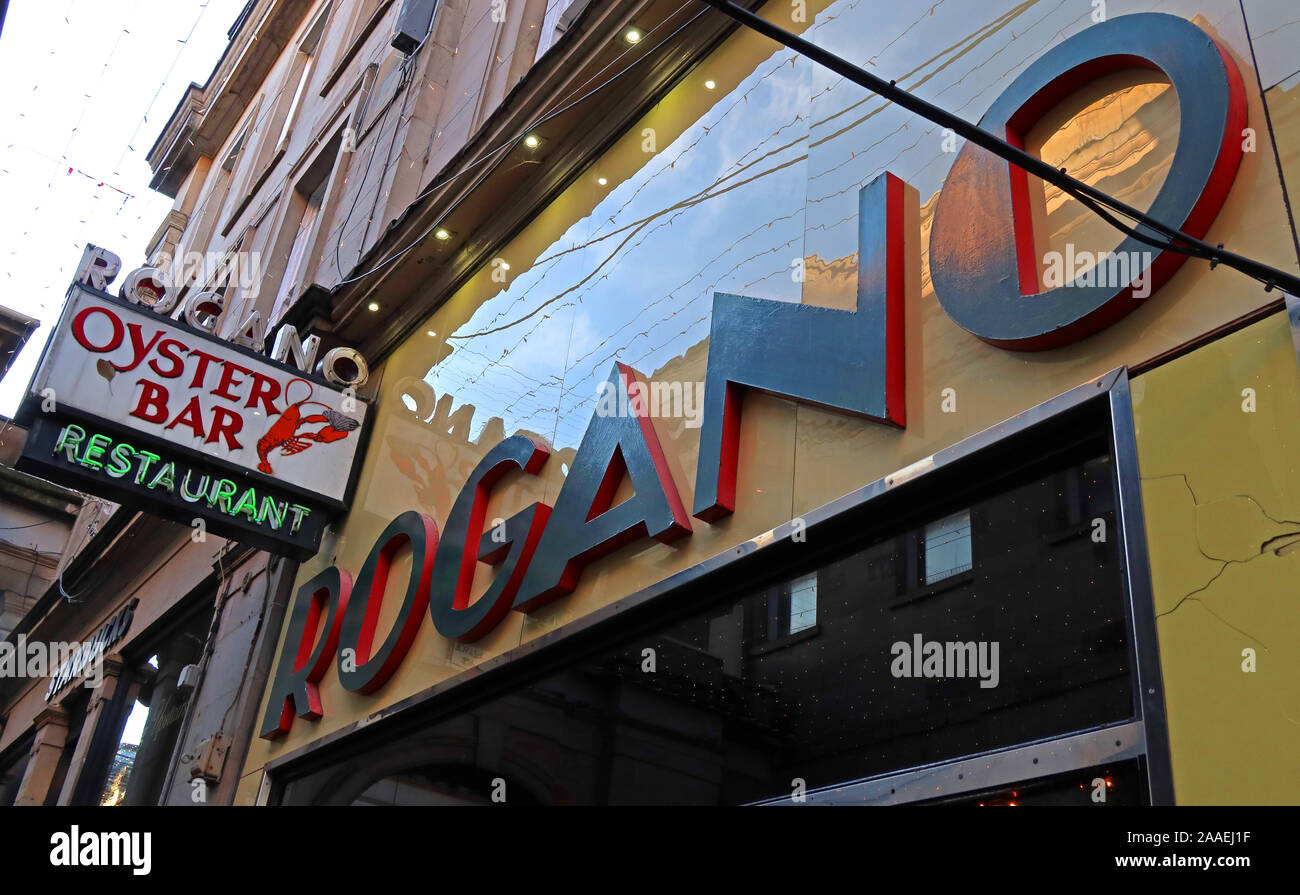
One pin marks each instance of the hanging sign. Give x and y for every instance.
(150, 412)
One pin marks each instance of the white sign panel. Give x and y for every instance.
(143, 371)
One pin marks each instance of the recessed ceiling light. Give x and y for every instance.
(442, 233)
(505, 266)
(602, 181)
(632, 35)
(432, 333)
(532, 141)
(710, 84)
(374, 306)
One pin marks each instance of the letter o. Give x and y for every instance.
(79, 329)
(421, 395)
(375, 667)
(981, 262)
(335, 357)
(153, 279)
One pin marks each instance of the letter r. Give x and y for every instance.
(302, 662)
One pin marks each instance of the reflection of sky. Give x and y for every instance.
(634, 279)
(769, 174)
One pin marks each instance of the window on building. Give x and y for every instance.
(295, 89)
(149, 726)
(203, 223)
(803, 603)
(296, 251)
(364, 18)
(294, 268)
(236, 151)
(11, 773)
(947, 547)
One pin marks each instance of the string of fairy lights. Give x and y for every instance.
(56, 155)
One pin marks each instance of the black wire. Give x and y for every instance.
(21, 527)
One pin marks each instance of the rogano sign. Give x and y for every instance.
(984, 273)
(156, 412)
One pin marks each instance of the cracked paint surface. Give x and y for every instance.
(1221, 497)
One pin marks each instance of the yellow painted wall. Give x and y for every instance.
(1221, 494)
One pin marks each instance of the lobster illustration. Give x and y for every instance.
(283, 433)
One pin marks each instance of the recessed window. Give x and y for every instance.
(947, 547)
(803, 603)
(236, 149)
(296, 267)
(301, 74)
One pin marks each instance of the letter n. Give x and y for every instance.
(302, 662)
(842, 360)
(584, 525)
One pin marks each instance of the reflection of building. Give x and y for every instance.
(119, 775)
(749, 692)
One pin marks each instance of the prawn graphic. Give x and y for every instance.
(283, 433)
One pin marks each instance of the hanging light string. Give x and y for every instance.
(144, 119)
(1100, 203)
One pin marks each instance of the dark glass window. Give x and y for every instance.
(11, 773)
(947, 547)
(864, 665)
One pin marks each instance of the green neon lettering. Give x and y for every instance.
(193, 497)
(247, 505)
(275, 510)
(148, 458)
(165, 477)
(69, 438)
(119, 461)
(94, 450)
(222, 491)
(298, 513)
